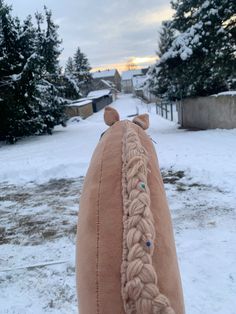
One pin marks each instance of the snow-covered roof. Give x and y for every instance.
(230, 92)
(138, 81)
(80, 103)
(99, 93)
(127, 75)
(108, 83)
(102, 74)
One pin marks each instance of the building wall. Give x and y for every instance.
(208, 112)
(117, 81)
(82, 111)
(100, 103)
(127, 86)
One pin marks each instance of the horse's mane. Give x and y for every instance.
(139, 284)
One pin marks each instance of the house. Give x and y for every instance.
(126, 80)
(138, 83)
(100, 98)
(111, 76)
(127, 77)
(95, 101)
(82, 108)
(103, 84)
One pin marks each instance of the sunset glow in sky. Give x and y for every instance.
(111, 33)
(137, 62)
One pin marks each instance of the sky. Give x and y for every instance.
(109, 32)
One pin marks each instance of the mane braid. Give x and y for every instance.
(139, 284)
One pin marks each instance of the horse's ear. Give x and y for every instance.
(142, 120)
(111, 116)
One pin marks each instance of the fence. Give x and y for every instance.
(167, 110)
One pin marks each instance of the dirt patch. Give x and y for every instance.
(170, 176)
(15, 197)
(33, 214)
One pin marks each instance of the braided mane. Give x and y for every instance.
(139, 284)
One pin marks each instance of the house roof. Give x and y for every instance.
(102, 74)
(109, 84)
(80, 103)
(127, 75)
(99, 93)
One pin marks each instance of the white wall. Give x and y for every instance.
(208, 112)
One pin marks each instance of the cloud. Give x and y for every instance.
(156, 17)
(137, 62)
(107, 31)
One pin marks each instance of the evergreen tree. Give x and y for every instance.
(70, 67)
(71, 83)
(51, 45)
(17, 82)
(29, 98)
(50, 85)
(70, 88)
(201, 59)
(160, 76)
(82, 67)
(77, 76)
(82, 70)
(166, 37)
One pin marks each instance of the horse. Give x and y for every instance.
(126, 260)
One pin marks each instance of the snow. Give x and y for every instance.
(213, 11)
(103, 74)
(45, 157)
(184, 55)
(40, 183)
(127, 75)
(231, 93)
(79, 103)
(73, 82)
(139, 81)
(16, 77)
(109, 84)
(99, 93)
(205, 4)
(183, 43)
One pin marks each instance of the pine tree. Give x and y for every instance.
(17, 81)
(77, 75)
(70, 67)
(82, 70)
(166, 37)
(50, 85)
(209, 38)
(29, 99)
(201, 59)
(51, 45)
(159, 77)
(71, 83)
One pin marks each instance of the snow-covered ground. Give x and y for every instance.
(40, 184)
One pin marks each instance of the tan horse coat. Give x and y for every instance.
(100, 226)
